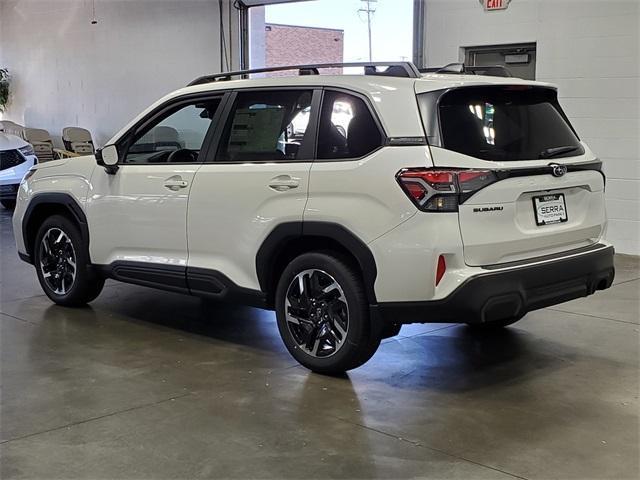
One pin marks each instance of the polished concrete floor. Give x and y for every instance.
(148, 384)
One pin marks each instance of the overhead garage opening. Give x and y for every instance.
(327, 31)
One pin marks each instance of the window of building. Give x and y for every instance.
(328, 31)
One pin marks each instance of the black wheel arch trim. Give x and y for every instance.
(25, 257)
(275, 243)
(55, 199)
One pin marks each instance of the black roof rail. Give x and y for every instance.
(462, 69)
(394, 69)
(450, 68)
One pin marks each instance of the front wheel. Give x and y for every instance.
(323, 314)
(62, 263)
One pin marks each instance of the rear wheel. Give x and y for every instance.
(8, 204)
(323, 314)
(62, 263)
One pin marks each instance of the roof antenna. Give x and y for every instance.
(93, 18)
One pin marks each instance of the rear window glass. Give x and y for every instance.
(506, 123)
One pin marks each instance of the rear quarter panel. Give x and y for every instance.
(363, 195)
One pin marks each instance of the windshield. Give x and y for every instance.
(504, 123)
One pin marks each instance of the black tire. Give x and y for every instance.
(494, 325)
(77, 289)
(8, 204)
(360, 341)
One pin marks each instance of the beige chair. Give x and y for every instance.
(41, 142)
(12, 128)
(78, 140)
(166, 138)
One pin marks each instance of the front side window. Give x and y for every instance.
(505, 123)
(176, 137)
(347, 127)
(267, 125)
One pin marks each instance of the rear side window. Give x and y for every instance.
(267, 125)
(506, 123)
(347, 127)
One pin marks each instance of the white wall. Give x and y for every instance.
(591, 49)
(68, 72)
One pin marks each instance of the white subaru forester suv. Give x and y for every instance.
(447, 198)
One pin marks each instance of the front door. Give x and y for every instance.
(138, 215)
(257, 179)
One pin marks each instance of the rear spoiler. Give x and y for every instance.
(462, 69)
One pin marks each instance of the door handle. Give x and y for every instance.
(282, 183)
(175, 183)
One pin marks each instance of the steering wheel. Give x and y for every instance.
(184, 155)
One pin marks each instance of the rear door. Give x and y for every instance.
(256, 178)
(543, 191)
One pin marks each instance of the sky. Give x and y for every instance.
(392, 25)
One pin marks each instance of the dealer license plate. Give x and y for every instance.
(550, 209)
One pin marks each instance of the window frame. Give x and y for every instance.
(243, 7)
(227, 98)
(312, 127)
(124, 143)
(384, 138)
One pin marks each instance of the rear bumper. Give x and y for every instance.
(510, 292)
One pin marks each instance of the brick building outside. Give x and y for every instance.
(297, 45)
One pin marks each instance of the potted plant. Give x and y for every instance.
(4, 89)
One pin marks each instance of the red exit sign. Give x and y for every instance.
(495, 4)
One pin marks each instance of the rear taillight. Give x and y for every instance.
(433, 190)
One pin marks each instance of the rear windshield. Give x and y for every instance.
(504, 123)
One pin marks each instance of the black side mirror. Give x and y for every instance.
(107, 157)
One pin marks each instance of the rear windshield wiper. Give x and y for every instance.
(555, 151)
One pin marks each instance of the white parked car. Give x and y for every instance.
(16, 158)
(449, 198)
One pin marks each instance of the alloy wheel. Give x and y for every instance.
(57, 261)
(317, 313)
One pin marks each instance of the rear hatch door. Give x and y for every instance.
(543, 191)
